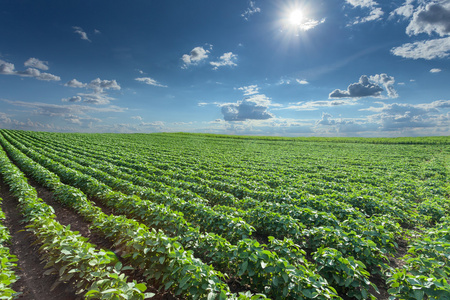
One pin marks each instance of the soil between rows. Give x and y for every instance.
(33, 284)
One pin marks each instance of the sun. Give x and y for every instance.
(295, 17)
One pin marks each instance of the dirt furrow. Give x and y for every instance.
(33, 284)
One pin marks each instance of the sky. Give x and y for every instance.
(366, 68)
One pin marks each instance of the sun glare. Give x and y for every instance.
(295, 17)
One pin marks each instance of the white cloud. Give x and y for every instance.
(387, 82)
(252, 9)
(99, 85)
(250, 108)
(368, 86)
(139, 118)
(97, 98)
(149, 81)
(36, 63)
(315, 105)
(309, 24)
(81, 32)
(249, 90)
(98, 95)
(362, 3)
(75, 83)
(9, 69)
(363, 88)
(196, 55)
(435, 70)
(72, 99)
(434, 17)
(406, 10)
(404, 116)
(227, 59)
(302, 81)
(375, 11)
(429, 49)
(4, 118)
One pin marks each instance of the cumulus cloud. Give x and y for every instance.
(249, 90)
(406, 10)
(196, 55)
(250, 108)
(387, 82)
(429, 49)
(139, 118)
(435, 70)
(251, 10)
(81, 32)
(363, 88)
(4, 118)
(375, 11)
(434, 17)
(404, 116)
(36, 63)
(75, 83)
(149, 81)
(428, 18)
(99, 85)
(227, 59)
(98, 95)
(9, 69)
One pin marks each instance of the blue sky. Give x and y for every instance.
(287, 68)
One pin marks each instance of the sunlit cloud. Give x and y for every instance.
(435, 70)
(98, 95)
(7, 68)
(150, 81)
(375, 12)
(429, 49)
(251, 108)
(227, 59)
(249, 90)
(75, 83)
(36, 63)
(434, 17)
(302, 81)
(363, 88)
(251, 10)
(195, 56)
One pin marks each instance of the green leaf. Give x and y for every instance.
(243, 268)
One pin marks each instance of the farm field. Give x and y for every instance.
(192, 216)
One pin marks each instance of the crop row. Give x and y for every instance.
(253, 265)
(66, 252)
(7, 262)
(229, 191)
(158, 256)
(281, 220)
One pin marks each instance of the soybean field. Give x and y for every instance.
(202, 216)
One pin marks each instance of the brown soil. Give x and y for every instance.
(33, 284)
